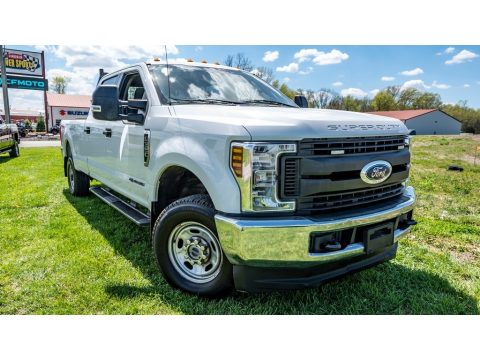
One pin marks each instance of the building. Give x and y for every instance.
(67, 107)
(17, 115)
(426, 122)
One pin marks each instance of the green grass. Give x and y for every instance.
(65, 255)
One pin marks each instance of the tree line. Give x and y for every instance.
(388, 99)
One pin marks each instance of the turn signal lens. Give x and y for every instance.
(237, 160)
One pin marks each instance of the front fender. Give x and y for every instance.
(209, 167)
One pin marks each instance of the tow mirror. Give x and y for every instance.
(105, 104)
(135, 117)
(137, 104)
(301, 101)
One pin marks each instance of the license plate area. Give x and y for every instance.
(378, 237)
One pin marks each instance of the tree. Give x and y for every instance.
(427, 100)
(60, 84)
(240, 61)
(265, 73)
(40, 125)
(407, 98)
(384, 101)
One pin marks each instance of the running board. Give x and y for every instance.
(129, 211)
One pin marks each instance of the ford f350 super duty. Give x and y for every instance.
(242, 187)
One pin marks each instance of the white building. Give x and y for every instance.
(67, 107)
(426, 122)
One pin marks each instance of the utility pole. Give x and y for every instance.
(6, 105)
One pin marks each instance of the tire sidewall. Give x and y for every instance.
(15, 152)
(169, 220)
(71, 167)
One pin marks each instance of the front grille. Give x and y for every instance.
(329, 201)
(352, 145)
(290, 181)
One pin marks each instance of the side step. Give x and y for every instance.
(129, 211)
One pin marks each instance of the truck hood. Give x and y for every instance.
(282, 123)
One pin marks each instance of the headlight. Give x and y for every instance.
(255, 166)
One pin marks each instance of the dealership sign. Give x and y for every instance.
(69, 113)
(27, 83)
(24, 62)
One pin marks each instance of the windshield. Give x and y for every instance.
(198, 84)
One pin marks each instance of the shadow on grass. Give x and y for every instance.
(5, 157)
(389, 288)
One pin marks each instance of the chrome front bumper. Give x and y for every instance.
(282, 242)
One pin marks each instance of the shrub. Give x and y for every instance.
(40, 125)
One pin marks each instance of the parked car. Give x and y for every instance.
(55, 129)
(9, 139)
(23, 128)
(241, 186)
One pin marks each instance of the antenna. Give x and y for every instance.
(168, 76)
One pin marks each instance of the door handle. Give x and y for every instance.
(87, 130)
(107, 132)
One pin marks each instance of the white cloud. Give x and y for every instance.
(307, 71)
(437, 85)
(109, 56)
(387, 78)
(461, 57)
(292, 67)
(413, 72)
(415, 84)
(270, 56)
(448, 50)
(374, 92)
(358, 93)
(286, 79)
(466, 85)
(337, 84)
(24, 100)
(320, 57)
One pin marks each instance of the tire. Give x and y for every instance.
(185, 240)
(78, 182)
(15, 152)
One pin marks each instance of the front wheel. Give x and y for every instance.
(15, 152)
(187, 248)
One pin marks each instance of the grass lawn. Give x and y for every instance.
(65, 255)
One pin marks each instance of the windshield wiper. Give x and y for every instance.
(265, 101)
(204, 101)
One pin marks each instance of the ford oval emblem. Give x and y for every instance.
(376, 172)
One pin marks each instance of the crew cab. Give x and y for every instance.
(242, 187)
(9, 139)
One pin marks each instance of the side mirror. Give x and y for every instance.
(105, 103)
(137, 104)
(134, 117)
(301, 101)
(413, 132)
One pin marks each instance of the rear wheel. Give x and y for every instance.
(78, 182)
(187, 248)
(15, 152)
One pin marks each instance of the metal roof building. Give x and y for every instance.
(67, 107)
(425, 122)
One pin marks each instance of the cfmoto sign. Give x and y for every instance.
(27, 83)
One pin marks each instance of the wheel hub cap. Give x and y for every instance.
(195, 252)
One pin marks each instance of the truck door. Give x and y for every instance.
(3, 136)
(125, 147)
(97, 134)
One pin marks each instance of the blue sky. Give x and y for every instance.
(453, 71)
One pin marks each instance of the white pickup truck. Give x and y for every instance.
(242, 187)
